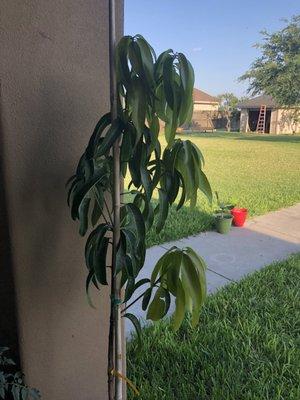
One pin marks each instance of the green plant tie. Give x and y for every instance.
(116, 301)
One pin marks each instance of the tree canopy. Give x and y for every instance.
(277, 71)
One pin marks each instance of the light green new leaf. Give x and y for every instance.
(179, 306)
(156, 310)
(204, 185)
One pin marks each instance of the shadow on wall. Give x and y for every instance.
(8, 319)
(57, 121)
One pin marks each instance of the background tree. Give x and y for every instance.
(228, 107)
(126, 141)
(277, 71)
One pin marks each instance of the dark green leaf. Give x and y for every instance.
(87, 286)
(163, 209)
(129, 288)
(136, 324)
(146, 298)
(113, 133)
(83, 216)
(99, 260)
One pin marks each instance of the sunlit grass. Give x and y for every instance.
(261, 173)
(245, 348)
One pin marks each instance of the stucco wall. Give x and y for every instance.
(205, 106)
(54, 78)
(285, 122)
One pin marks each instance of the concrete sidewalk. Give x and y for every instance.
(260, 242)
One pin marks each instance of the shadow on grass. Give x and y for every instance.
(272, 138)
(179, 224)
(288, 138)
(215, 135)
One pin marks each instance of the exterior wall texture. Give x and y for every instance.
(285, 122)
(54, 87)
(205, 107)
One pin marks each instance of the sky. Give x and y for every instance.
(216, 35)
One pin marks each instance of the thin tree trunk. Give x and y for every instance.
(115, 336)
(228, 123)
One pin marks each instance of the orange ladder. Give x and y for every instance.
(261, 122)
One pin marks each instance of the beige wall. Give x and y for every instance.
(202, 106)
(283, 122)
(54, 78)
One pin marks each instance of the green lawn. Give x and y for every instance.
(261, 173)
(245, 348)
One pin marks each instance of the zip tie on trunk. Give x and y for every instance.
(115, 301)
(128, 381)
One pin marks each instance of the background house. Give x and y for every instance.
(278, 120)
(205, 110)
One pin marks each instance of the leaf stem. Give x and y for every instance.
(140, 296)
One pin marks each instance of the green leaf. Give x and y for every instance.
(138, 102)
(137, 326)
(87, 286)
(83, 216)
(192, 286)
(122, 67)
(100, 175)
(136, 224)
(99, 261)
(159, 64)
(163, 209)
(173, 273)
(98, 204)
(200, 265)
(141, 283)
(179, 307)
(187, 80)
(24, 393)
(146, 298)
(91, 244)
(204, 185)
(156, 310)
(130, 287)
(167, 80)
(183, 195)
(113, 133)
(15, 392)
(101, 125)
(167, 299)
(147, 60)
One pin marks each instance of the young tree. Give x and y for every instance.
(126, 141)
(277, 71)
(228, 107)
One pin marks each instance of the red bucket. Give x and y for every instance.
(239, 216)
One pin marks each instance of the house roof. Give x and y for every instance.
(199, 95)
(258, 101)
